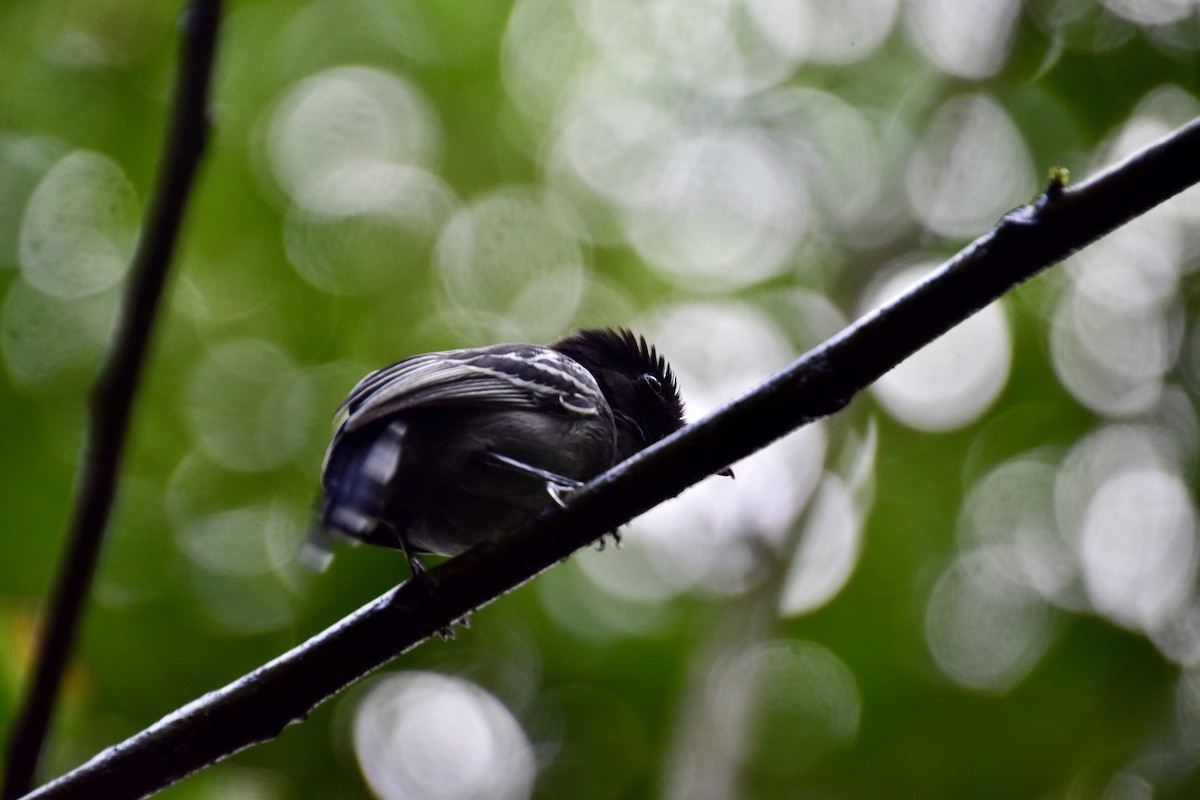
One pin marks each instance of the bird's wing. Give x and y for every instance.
(503, 376)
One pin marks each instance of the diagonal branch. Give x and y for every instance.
(258, 706)
(116, 386)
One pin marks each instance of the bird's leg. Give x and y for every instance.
(415, 568)
(419, 574)
(557, 486)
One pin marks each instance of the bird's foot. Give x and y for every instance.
(602, 542)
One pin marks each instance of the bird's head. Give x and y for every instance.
(636, 381)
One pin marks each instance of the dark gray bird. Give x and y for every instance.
(440, 451)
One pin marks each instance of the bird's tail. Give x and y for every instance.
(357, 475)
(317, 551)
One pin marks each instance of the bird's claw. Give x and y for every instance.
(559, 492)
(602, 542)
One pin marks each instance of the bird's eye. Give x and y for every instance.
(652, 382)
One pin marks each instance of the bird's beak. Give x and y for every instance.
(727, 473)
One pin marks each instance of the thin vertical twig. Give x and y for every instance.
(116, 387)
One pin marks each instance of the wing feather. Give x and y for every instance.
(503, 376)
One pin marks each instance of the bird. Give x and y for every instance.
(440, 451)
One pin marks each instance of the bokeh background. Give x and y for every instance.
(979, 581)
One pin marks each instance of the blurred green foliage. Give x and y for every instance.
(387, 178)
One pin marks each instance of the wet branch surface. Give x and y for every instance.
(257, 707)
(115, 389)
